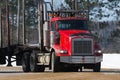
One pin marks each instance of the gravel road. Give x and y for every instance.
(16, 73)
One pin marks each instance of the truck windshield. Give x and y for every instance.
(72, 25)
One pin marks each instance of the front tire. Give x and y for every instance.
(97, 67)
(33, 63)
(26, 62)
(55, 62)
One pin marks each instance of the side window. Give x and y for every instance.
(53, 26)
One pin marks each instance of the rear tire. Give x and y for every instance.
(26, 62)
(97, 67)
(33, 63)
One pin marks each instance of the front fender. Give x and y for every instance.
(57, 50)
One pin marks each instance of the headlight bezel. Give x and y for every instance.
(63, 51)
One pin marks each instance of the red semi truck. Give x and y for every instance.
(65, 43)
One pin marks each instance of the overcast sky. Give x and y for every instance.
(57, 3)
(105, 10)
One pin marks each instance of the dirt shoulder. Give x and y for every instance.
(17, 74)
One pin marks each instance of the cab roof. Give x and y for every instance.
(68, 18)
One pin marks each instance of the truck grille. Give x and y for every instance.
(82, 47)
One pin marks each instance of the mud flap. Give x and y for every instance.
(2, 57)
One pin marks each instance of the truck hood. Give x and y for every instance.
(65, 37)
(67, 33)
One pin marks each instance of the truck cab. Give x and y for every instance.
(73, 43)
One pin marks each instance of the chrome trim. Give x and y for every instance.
(74, 46)
(81, 59)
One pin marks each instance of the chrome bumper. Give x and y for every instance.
(81, 59)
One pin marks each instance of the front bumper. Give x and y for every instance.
(81, 59)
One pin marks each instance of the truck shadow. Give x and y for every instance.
(4, 69)
(11, 72)
(110, 70)
(19, 70)
(103, 70)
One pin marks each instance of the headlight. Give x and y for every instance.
(98, 51)
(63, 51)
